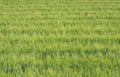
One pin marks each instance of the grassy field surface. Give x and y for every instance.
(59, 38)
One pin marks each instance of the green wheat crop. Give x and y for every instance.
(59, 38)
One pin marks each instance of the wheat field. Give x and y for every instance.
(59, 38)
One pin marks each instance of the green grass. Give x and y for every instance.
(60, 38)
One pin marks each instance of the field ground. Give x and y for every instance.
(59, 38)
